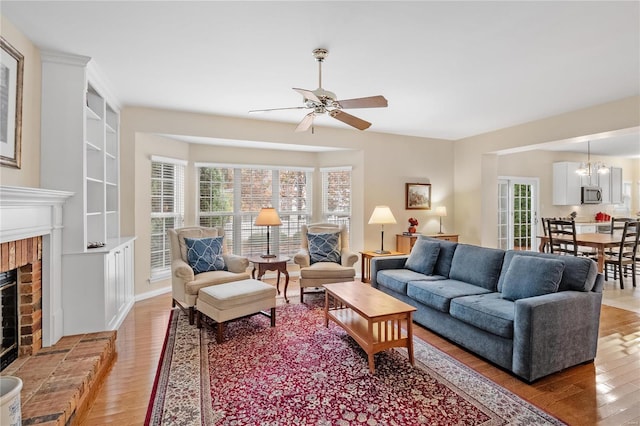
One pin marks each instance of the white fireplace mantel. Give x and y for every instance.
(31, 212)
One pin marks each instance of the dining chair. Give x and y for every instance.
(561, 230)
(626, 256)
(617, 224)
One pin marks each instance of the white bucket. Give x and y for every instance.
(10, 414)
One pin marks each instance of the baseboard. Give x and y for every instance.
(154, 293)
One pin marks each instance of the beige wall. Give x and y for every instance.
(29, 173)
(476, 169)
(382, 164)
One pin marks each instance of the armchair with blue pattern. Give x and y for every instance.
(324, 257)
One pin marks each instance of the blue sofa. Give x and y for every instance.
(531, 313)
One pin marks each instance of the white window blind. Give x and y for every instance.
(232, 196)
(336, 195)
(167, 211)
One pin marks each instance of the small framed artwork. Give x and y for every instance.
(11, 70)
(418, 196)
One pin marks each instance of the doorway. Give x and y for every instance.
(517, 213)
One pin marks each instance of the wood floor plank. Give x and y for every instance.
(606, 392)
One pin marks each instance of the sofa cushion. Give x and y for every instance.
(397, 279)
(530, 276)
(324, 247)
(488, 312)
(447, 249)
(477, 265)
(438, 294)
(205, 254)
(423, 257)
(579, 272)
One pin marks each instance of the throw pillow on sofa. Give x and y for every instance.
(530, 276)
(205, 254)
(324, 247)
(423, 257)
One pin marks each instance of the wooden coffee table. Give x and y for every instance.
(373, 318)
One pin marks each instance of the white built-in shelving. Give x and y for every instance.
(80, 153)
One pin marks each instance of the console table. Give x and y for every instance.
(404, 243)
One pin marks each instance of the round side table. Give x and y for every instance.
(264, 264)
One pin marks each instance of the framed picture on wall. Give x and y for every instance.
(11, 70)
(418, 196)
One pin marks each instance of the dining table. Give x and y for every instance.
(599, 241)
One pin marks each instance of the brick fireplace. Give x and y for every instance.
(31, 244)
(25, 256)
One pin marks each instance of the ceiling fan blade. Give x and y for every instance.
(349, 119)
(369, 102)
(306, 122)
(276, 109)
(308, 94)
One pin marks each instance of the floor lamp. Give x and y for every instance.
(268, 217)
(382, 215)
(442, 212)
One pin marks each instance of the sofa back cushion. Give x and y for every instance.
(445, 256)
(529, 276)
(579, 272)
(477, 265)
(423, 257)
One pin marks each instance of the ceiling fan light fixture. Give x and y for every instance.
(321, 101)
(587, 168)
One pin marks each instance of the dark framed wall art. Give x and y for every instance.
(418, 196)
(11, 71)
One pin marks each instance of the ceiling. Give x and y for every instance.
(448, 69)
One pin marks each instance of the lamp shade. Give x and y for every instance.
(268, 216)
(382, 215)
(441, 211)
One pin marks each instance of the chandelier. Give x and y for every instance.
(587, 168)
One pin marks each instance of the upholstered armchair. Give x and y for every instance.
(185, 282)
(324, 256)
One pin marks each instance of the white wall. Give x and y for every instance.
(382, 164)
(476, 168)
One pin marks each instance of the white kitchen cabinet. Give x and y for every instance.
(566, 184)
(611, 184)
(585, 228)
(604, 182)
(80, 153)
(616, 185)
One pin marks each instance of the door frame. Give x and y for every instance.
(535, 206)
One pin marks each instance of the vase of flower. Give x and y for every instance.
(413, 223)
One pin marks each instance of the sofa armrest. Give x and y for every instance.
(302, 258)
(348, 258)
(182, 270)
(385, 262)
(555, 331)
(236, 263)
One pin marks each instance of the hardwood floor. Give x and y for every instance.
(606, 392)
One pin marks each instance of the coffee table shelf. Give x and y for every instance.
(375, 320)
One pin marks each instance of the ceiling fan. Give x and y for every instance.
(322, 101)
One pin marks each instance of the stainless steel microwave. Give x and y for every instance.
(591, 195)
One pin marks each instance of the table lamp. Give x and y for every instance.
(442, 212)
(382, 215)
(268, 217)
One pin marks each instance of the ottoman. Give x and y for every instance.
(237, 299)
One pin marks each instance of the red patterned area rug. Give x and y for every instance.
(303, 373)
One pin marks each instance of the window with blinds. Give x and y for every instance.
(232, 196)
(336, 195)
(167, 210)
